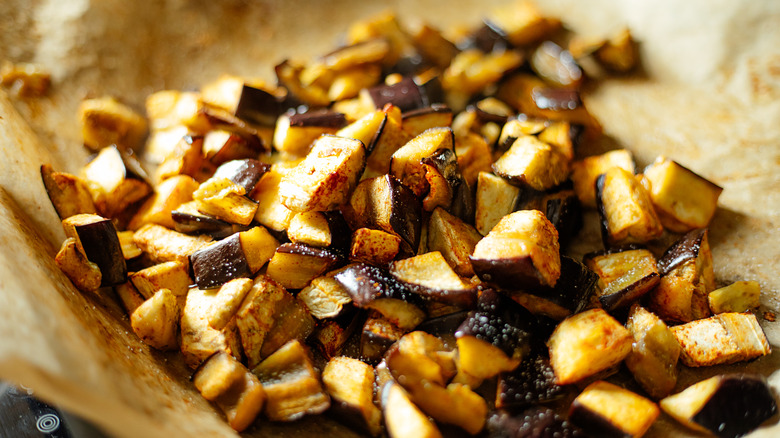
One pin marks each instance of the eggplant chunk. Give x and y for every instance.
(224, 199)
(68, 193)
(168, 195)
(105, 122)
(189, 220)
(310, 228)
(377, 335)
(228, 301)
(402, 418)
(198, 339)
(258, 313)
(565, 213)
(295, 265)
(97, 239)
(384, 203)
(430, 276)
(585, 172)
(84, 274)
(531, 383)
(604, 409)
(331, 335)
(326, 177)
(419, 356)
(419, 120)
(496, 198)
(406, 163)
(684, 200)
(292, 321)
(627, 215)
(721, 339)
(455, 240)
(271, 212)
(405, 95)
(325, 297)
(257, 105)
(245, 173)
(292, 384)
(687, 278)
(728, 405)
(532, 163)
(654, 354)
(156, 320)
(167, 275)
(533, 422)
(368, 129)
(740, 296)
(225, 381)
(374, 247)
(520, 251)
(219, 263)
(586, 344)
(164, 245)
(116, 181)
(294, 133)
(624, 276)
(350, 384)
(495, 337)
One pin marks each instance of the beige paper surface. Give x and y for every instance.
(710, 99)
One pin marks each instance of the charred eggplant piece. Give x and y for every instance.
(721, 339)
(654, 354)
(257, 106)
(377, 335)
(586, 344)
(295, 132)
(96, 238)
(404, 94)
(68, 193)
(294, 265)
(271, 212)
(374, 247)
(368, 129)
(520, 251)
(532, 163)
(384, 203)
(604, 409)
(331, 335)
(84, 274)
(239, 255)
(740, 296)
(531, 383)
(325, 297)
(156, 320)
(407, 163)
(624, 276)
(687, 277)
(495, 337)
(226, 200)
(320, 229)
(564, 211)
(187, 219)
(430, 276)
(238, 393)
(291, 384)
(728, 405)
(116, 181)
(350, 384)
(167, 275)
(228, 301)
(496, 198)
(626, 212)
(185, 159)
(245, 173)
(257, 316)
(533, 422)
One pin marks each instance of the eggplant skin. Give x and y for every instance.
(219, 263)
(102, 247)
(740, 404)
(687, 248)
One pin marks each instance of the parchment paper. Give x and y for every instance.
(708, 97)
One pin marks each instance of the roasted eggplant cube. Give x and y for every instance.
(156, 320)
(565, 213)
(325, 297)
(520, 251)
(167, 275)
(604, 409)
(531, 383)
(728, 405)
(219, 263)
(225, 381)
(186, 158)
(654, 353)
(198, 339)
(326, 177)
(455, 240)
(495, 337)
(84, 274)
(68, 193)
(407, 164)
(294, 265)
(257, 105)
(271, 212)
(405, 95)
(375, 247)
(292, 321)
(721, 339)
(430, 276)
(532, 163)
(350, 384)
(585, 172)
(224, 199)
(258, 314)
(228, 301)
(496, 198)
(368, 129)
(245, 173)
(384, 203)
(106, 122)
(687, 277)
(586, 344)
(291, 383)
(684, 200)
(740, 296)
(454, 404)
(168, 195)
(403, 418)
(96, 238)
(320, 229)
(164, 245)
(627, 215)
(331, 335)
(189, 220)
(534, 421)
(377, 335)
(624, 276)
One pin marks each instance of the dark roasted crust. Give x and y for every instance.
(258, 106)
(246, 173)
(404, 94)
(406, 217)
(574, 287)
(687, 248)
(365, 283)
(740, 404)
(510, 273)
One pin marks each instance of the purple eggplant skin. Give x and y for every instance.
(341, 235)
(406, 213)
(246, 173)
(333, 259)
(464, 298)
(435, 108)
(629, 293)
(487, 38)
(602, 212)
(321, 118)
(217, 264)
(501, 322)
(463, 203)
(405, 95)
(740, 404)
(102, 247)
(432, 91)
(574, 287)
(365, 283)
(593, 423)
(190, 223)
(687, 248)
(565, 213)
(531, 383)
(445, 325)
(258, 106)
(535, 422)
(377, 136)
(510, 273)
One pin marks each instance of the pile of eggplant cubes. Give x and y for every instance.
(382, 234)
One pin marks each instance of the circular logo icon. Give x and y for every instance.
(48, 423)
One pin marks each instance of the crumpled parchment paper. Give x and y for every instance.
(708, 97)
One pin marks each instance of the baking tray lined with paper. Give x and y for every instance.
(708, 98)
